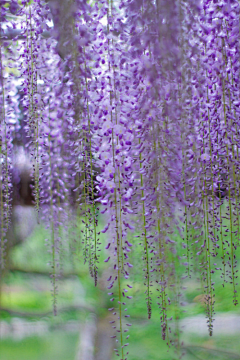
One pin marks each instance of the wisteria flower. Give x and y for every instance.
(109, 171)
(205, 157)
(110, 185)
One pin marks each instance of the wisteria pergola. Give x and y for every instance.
(130, 109)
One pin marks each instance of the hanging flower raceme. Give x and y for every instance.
(162, 115)
(8, 114)
(219, 137)
(113, 137)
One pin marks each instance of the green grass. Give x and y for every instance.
(53, 346)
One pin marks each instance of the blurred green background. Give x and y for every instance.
(30, 331)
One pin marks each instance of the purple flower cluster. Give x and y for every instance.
(132, 114)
